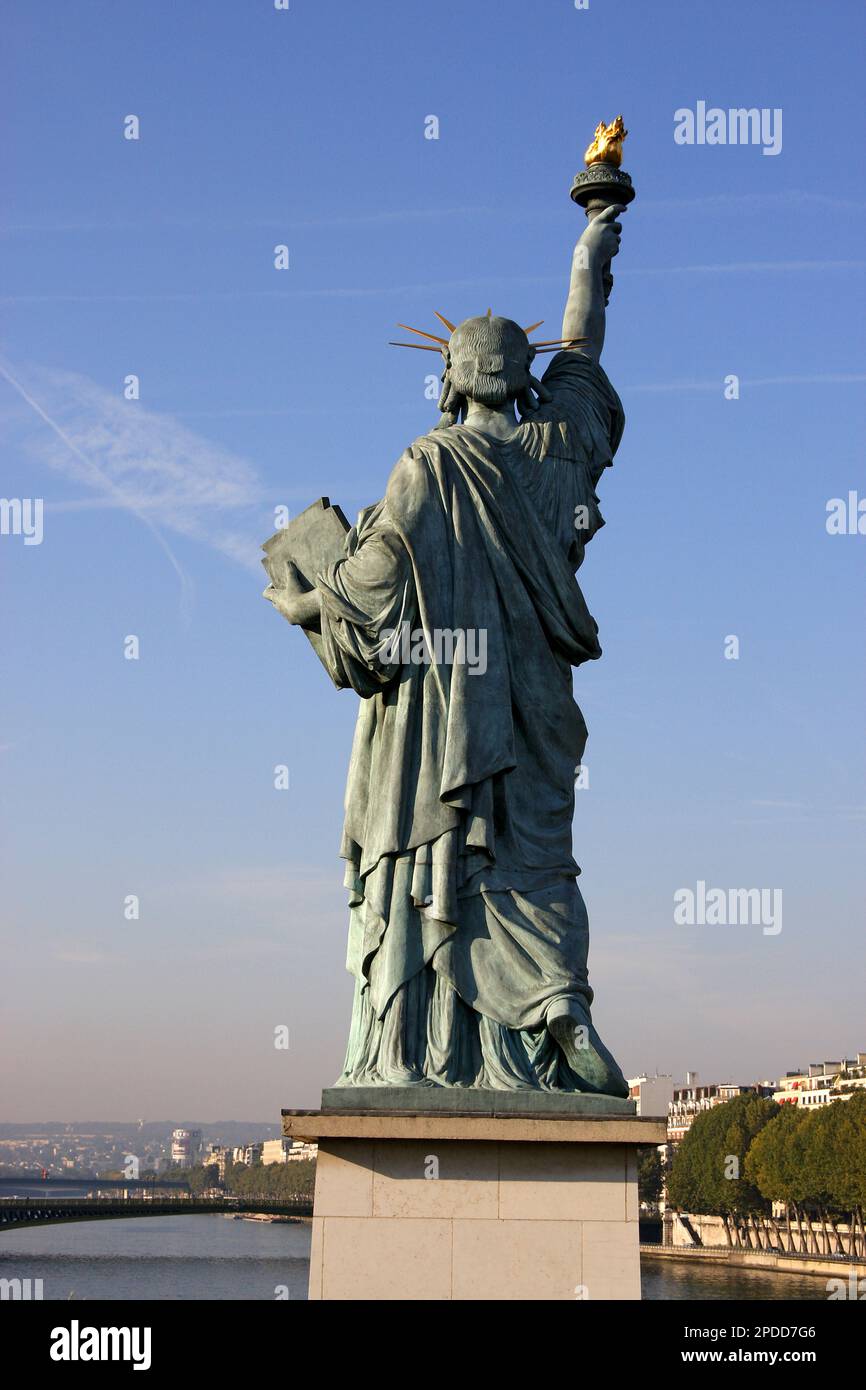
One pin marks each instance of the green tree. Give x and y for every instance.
(708, 1172)
(649, 1175)
(775, 1164)
(844, 1174)
(824, 1160)
(815, 1162)
(272, 1180)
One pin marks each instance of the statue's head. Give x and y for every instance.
(488, 360)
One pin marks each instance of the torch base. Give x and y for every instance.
(602, 182)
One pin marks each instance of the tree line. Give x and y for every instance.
(739, 1158)
(271, 1180)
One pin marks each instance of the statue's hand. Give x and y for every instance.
(292, 598)
(281, 600)
(600, 237)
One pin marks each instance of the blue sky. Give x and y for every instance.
(262, 387)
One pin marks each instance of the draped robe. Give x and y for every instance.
(466, 923)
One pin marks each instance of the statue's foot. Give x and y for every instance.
(395, 1079)
(586, 1054)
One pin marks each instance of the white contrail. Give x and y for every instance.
(186, 586)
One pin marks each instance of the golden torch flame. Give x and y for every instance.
(606, 147)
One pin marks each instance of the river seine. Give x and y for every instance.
(214, 1257)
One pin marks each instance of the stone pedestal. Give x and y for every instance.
(415, 1205)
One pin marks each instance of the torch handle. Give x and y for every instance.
(592, 209)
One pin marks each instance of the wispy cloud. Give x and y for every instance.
(80, 955)
(435, 287)
(265, 886)
(379, 217)
(744, 268)
(784, 812)
(144, 462)
(739, 202)
(814, 379)
(321, 292)
(780, 199)
(778, 805)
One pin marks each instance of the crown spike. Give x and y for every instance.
(422, 347)
(422, 334)
(553, 342)
(547, 345)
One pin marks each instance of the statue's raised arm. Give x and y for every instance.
(584, 315)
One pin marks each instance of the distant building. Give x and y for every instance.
(693, 1099)
(653, 1094)
(301, 1152)
(822, 1082)
(186, 1147)
(247, 1154)
(286, 1151)
(275, 1150)
(219, 1157)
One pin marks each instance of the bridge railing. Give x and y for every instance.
(31, 1210)
(230, 1201)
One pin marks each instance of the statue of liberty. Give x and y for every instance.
(455, 613)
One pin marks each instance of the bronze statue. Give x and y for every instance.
(452, 608)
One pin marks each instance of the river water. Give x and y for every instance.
(213, 1257)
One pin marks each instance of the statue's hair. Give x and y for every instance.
(488, 360)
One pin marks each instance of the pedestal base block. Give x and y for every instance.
(450, 1100)
(502, 1207)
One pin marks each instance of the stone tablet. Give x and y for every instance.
(312, 541)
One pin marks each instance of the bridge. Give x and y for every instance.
(38, 1184)
(51, 1201)
(17, 1212)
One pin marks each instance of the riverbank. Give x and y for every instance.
(761, 1259)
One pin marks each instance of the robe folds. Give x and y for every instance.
(466, 922)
